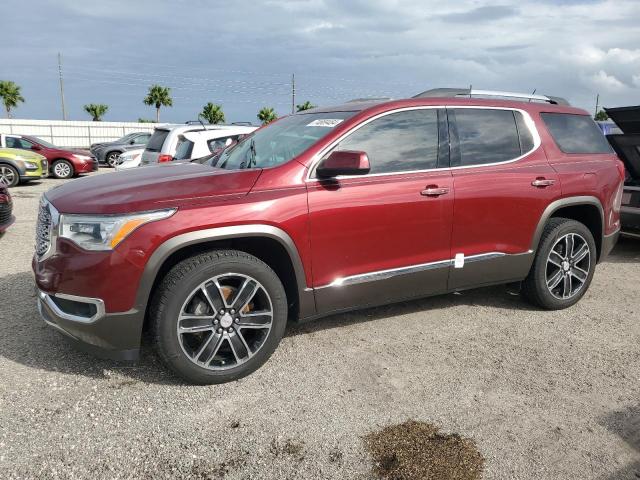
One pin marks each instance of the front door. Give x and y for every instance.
(384, 236)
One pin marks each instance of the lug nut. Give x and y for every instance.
(237, 320)
(219, 330)
(232, 311)
(215, 322)
(229, 329)
(221, 312)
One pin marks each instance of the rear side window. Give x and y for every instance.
(487, 136)
(398, 142)
(157, 140)
(185, 147)
(576, 133)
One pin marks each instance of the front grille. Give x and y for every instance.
(43, 229)
(5, 212)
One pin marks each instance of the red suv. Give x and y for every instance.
(325, 211)
(63, 163)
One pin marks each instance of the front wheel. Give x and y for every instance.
(218, 316)
(62, 169)
(112, 159)
(9, 175)
(564, 265)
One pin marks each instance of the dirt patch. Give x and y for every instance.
(287, 447)
(416, 450)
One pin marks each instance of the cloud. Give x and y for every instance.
(602, 79)
(481, 14)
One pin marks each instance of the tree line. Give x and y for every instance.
(157, 96)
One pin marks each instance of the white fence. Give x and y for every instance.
(73, 134)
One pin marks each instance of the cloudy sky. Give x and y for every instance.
(241, 54)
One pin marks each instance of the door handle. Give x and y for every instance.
(541, 182)
(434, 191)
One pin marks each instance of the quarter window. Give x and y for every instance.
(487, 136)
(576, 133)
(398, 142)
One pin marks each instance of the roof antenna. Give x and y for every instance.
(532, 93)
(470, 89)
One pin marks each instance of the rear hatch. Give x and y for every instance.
(627, 144)
(154, 147)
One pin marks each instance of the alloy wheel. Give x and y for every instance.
(62, 170)
(7, 175)
(568, 266)
(225, 321)
(112, 159)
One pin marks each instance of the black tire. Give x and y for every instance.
(535, 287)
(177, 287)
(65, 169)
(111, 157)
(9, 175)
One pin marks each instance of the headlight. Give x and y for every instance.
(82, 157)
(30, 165)
(105, 232)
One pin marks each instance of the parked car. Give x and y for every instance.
(626, 143)
(202, 143)
(6, 208)
(164, 141)
(325, 211)
(19, 166)
(108, 152)
(129, 159)
(63, 163)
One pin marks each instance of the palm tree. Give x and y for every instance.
(601, 116)
(213, 113)
(96, 110)
(158, 96)
(305, 106)
(267, 115)
(10, 93)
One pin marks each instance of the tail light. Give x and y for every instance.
(164, 158)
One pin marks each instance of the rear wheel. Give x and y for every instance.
(112, 158)
(564, 265)
(218, 316)
(62, 169)
(9, 175)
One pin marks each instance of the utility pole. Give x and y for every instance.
(597, 104)
(64, 111)
(293, 93)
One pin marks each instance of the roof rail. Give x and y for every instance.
(248, 124)
(468, 92)
(370, 99)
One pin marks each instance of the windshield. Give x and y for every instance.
(128, 136)
(281, 141)
(42, 142)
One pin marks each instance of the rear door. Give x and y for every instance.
(382, 237)
(503, 182)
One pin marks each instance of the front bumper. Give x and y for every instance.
(83, 320)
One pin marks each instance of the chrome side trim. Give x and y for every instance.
(318, 156)
(633, 210)
(97, 302)
(394, 272)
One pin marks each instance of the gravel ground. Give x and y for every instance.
(544, 395)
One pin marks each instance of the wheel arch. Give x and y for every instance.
(584, 209)
(270, 244)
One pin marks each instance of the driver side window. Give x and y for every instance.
(398, 142)
(15, 142)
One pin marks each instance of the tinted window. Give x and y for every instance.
(576, 133)
(157, 140)
(398, 142)
(13, 142)
(216, 145)
(184, 149)
(485, 136)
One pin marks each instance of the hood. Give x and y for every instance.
(151, 188)
(627, 118)
(67, 151)
(19, 154)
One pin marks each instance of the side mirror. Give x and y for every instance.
(36, 147)
(345, 162)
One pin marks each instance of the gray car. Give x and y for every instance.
(109, 152)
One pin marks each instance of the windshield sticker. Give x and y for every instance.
(325, 122)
